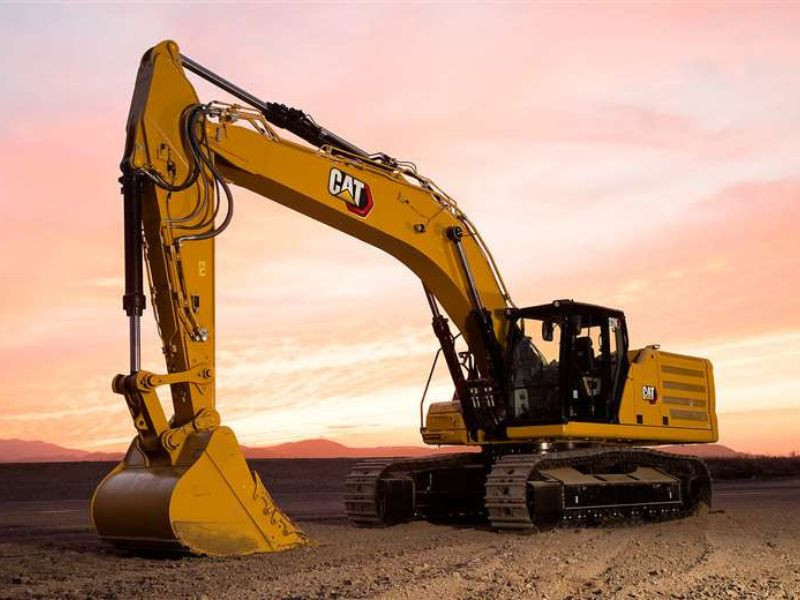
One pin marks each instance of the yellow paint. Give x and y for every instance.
(684, 396)
(207, 501)
(444, 425)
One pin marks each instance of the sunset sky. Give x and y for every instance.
(645, 157)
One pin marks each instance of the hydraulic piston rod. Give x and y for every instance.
(291, 119)
(134, 299)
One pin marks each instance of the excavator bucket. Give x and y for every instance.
(208, 502)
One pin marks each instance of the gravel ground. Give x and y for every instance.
(748, 547)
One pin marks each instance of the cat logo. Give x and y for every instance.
(649, 394)
(354, 192)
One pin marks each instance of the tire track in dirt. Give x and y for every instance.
(513, 570)
(369, 574)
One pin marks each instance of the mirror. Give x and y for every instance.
(547, 331)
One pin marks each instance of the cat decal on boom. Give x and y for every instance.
(353, 191)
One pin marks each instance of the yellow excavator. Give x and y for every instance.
(557, 404)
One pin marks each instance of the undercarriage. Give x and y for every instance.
(528, 490)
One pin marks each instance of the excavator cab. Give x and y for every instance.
(568, 363)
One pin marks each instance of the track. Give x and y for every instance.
(521, 492)
(524, 491)
(389, 491)
(361, 497)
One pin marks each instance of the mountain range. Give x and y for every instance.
(15, 450)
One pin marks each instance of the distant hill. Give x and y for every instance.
(35, 451)
(322, 448)
(702, 450)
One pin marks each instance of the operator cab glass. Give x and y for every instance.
(568, 362)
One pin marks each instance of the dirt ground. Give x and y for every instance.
(748, 547)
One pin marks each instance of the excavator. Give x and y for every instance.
(557, 416)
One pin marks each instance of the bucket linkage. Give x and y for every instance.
(186, 489)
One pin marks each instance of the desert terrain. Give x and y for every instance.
(748, 546)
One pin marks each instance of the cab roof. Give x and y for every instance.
(561, 308)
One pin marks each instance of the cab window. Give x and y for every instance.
(534, 385)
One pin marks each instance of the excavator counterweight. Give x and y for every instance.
(557, 403)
